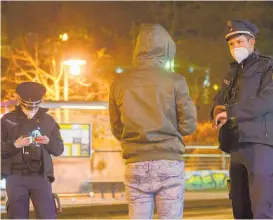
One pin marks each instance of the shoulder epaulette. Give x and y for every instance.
(265, 57)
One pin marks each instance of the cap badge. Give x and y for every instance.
(229, 24)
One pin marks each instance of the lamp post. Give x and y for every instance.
(74, 67)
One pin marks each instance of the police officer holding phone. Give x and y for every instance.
(29, 136)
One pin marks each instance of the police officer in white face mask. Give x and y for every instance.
(243, 113)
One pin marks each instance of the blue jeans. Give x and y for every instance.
(159, 181)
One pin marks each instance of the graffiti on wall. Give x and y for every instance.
(206, 179)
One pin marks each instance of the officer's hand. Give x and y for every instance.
(42, 140)
(22, 142)
(218, 109)
(220, 120)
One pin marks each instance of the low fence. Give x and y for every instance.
(206, 167)
(205, 158)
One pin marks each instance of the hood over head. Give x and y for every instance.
(154, 46)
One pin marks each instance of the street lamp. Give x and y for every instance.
(64, 37)
(75, 67)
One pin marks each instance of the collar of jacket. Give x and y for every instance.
(21, 114)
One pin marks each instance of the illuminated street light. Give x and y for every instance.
(74, 66)
(74, 69)
(74, 62)
(64, 37)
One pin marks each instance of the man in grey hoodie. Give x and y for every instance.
(150, 112)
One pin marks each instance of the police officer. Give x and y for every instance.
(29, 136)
(243, 113)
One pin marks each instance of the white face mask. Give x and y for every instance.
(30, 113)
(239, 54)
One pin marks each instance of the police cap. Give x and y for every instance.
(31, 91)
(241, 27)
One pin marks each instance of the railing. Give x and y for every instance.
(200, 158)
(205, 158)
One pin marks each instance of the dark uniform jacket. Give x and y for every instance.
(11, 124)
(248, 94)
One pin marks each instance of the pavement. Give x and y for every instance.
(82, 206)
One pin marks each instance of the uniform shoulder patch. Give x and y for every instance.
(227, 82)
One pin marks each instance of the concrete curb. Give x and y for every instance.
(104, 210)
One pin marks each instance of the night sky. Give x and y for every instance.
(197, 27)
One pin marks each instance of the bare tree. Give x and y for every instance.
(30, 60)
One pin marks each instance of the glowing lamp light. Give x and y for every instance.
(74, 62)
(190, 69)
(119, 70)
(74, 66)
(64, 37)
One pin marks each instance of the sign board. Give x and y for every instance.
(77, 140)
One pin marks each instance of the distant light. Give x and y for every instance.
(191, 69)
(215, 87)
(3, 184)
(91, 194)
(119, 70)
(95, 107)
(64, 37)
(206, 82)
(170, 65)
(207, 71)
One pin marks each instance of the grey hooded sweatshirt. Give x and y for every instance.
(150, 107)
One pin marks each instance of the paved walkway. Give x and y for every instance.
(76, 206)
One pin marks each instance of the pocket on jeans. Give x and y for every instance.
(135, 173)
(171, 169)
